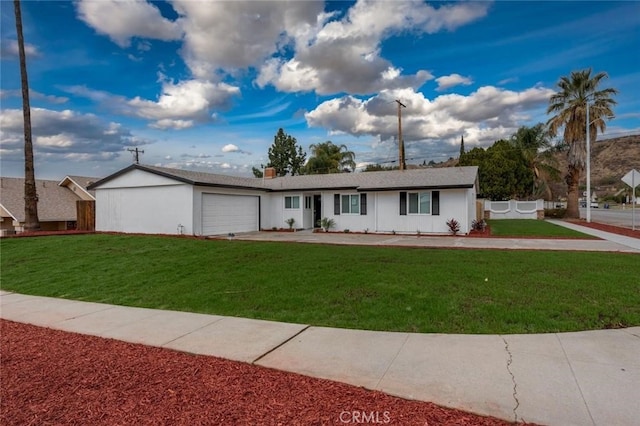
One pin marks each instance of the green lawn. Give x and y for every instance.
(379, 288)
(531, 228)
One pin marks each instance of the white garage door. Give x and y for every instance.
(222, 214)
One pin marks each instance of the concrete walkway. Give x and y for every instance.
(585, 378)
(630, 242)
(608, 243)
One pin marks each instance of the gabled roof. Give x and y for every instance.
(55, 203)
(430, 178)
(81, 182)
(188, 176)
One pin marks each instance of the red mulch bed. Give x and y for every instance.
(54, 377)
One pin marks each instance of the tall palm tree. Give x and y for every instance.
(535, 147)
(31, 221)
(570, 108)
(329, 158)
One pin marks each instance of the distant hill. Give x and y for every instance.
(611, 159)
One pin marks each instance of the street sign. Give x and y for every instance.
(632, 178)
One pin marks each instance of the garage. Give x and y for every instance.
(222, 214)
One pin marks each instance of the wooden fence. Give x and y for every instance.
(86, 215)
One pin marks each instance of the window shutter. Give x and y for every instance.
(363, 204)
(403, 203)
(336, 204)
(435, 203)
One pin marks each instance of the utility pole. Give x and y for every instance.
(136, 153)
(401, 161)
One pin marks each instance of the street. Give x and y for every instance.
(618, 216)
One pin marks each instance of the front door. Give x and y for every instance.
(317, 210)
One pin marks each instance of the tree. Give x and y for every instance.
(31, 221)
(569, 106)
(257, 172)
(502, 171)
(329, 158)
(461, 145)
(285, 155)
(378, 168)
(534, 146)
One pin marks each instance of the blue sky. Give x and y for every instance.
(206, 85)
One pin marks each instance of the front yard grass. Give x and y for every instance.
(532, 228)
(377, 288)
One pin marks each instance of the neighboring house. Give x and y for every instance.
(156, 200)
(56, 202)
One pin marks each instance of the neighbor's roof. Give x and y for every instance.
(82, 181)
(55, 203)
(430, 178)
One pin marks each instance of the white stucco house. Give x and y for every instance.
(157, 200)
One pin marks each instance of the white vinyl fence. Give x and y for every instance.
(514, 209)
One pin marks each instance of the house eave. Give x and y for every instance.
(219, 185)
(412, 187)
(316, 189)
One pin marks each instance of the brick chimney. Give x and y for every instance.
(269, 173)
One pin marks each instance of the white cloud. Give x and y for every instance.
(344, 55)
(9, 49)
(121, 20)
(484, 116)
(180, 105)
(240, 34)
(34, 95)
(230, 148)
(65, 134)
(448, 81)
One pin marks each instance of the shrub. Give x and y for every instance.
(327, 224)
(555, 213)
(479, 225)
(454, 226)
(290, 222)
(346, 231)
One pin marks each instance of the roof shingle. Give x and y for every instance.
(55, 203)
(452, 177)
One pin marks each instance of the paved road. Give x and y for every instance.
(616, 217)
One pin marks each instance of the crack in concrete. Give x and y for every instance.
(513, 379)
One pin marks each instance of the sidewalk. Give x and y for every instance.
(630, 242)
(585, 378)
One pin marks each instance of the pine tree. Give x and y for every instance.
(285, 155)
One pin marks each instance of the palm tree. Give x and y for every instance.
(31, 221)
(533, 143)
(329, 158)
(570, 108)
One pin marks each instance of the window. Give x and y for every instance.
(418, 202)
(350, 204)
(307, 203)
(292, 202)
